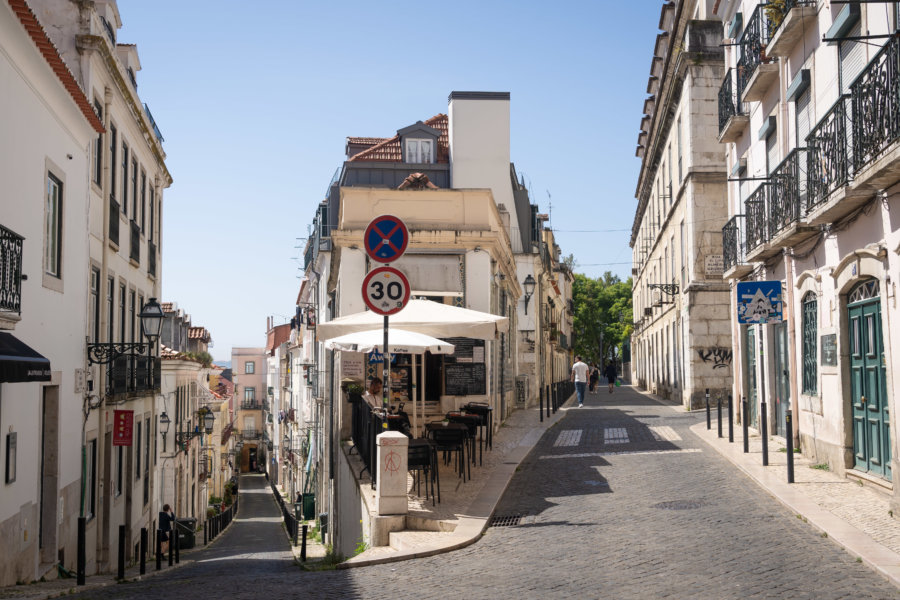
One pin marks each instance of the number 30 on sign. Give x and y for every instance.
(385, 290)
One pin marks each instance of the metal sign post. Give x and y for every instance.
(386, 290)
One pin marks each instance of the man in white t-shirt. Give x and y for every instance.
(373, 394)
(580, 377)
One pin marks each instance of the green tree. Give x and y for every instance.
(603, 316)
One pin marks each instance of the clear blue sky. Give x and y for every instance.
(255, 100)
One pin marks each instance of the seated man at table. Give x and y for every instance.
(373, 394)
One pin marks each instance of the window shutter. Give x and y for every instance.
(804, 117)
(853, 57)
(771, 151)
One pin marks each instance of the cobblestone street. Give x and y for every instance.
(619, 500)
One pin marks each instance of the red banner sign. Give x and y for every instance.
(123, 427)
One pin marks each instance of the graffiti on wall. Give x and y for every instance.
(718, 356)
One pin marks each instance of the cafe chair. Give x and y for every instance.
(423, 460)
(486, 412)
(451, 438)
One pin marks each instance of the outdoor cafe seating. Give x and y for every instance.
(472, 422)
(451, 438)
(422, 459)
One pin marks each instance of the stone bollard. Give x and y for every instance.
(392, 455)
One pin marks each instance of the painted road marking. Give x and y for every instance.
(615, 435)
(664, 433)
(623, 453)
(568, 437)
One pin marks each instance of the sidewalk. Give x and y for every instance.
(465, 508)
(855, 516)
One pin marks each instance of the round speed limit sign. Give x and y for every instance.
(385, 290)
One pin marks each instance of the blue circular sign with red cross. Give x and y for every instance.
(386, 239)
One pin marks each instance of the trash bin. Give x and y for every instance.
(309, 506)
(298, 510)
(323, 523)
(185, 527)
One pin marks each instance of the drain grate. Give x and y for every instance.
(679, 505)
(505, 520)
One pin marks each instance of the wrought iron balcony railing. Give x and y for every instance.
(11, 245)
(133, 371)
(729, 100)
(113, 221)
(876, 105)
(752, 44)
(250, 434)
(828, 153)
(732, 242)
(755, 209)
(787, 192)
(251, 405)
(135, 254)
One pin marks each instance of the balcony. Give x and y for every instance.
(135, 253)
(733, 119)
(133, 372)
(757, 225)
(756, 70)
(251, 405)
(787, 199)
(875, 100)
(829, 167)
(250, 434)
(113, 221)
(11, 244)
(733, 249)
(788, 23)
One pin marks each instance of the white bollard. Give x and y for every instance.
(392, 455)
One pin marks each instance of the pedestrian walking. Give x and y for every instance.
(595, 376)
(611, 375)
(166, 520)
(580, 377)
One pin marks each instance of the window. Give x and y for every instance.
(120, 467)
(98, 148)
(90, 483)
(110, 310)
(122, 317)
(810, 336)
(683, 271)
(249, 368)
(137, 452)
(419, 151)
(95, 304)
(678, 143)
(134, 189)
(152, 213)
(132, 317)
(249, 394)
(112, 161)
(140, 306)
(124, 178)
(53, 227)
(143, 200)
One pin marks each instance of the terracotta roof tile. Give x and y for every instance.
(54, 60)
(168, 306)
(365, 140)
(198, 333)
(417, 181)
(388, 150)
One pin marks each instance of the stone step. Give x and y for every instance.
(405, 541)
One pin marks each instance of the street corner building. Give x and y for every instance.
(807, 124)
(80, 234)
(681, 345)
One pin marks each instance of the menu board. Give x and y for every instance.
(466, 350)
(400, 381)
(464, 379)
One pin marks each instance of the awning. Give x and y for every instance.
(19, 362)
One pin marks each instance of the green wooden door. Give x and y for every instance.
(782, 378)
(868, 386)
(750, 353)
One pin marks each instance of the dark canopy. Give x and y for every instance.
(19, 362)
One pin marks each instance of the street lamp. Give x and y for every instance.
(151, 316)
(182, 437)
(528, 285)
(164, 423)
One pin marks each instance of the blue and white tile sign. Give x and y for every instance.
(759, 302)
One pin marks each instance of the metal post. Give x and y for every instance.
(175, 531)
(764, 429)
(789, 436)
(303, 547)
(730, 421)
(82, 558)
(205, 532)
(386, 383)
(121, 572)
(143, 550)
(719, 413)
(745, 411)
(708, 419)
(171, 550)
(548, 400)
(764, 426)
(158, 549)
(541, 394)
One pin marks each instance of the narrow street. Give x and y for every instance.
(619, 500)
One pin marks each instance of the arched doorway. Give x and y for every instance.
(868, 385)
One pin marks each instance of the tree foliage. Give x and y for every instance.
(603, 316)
